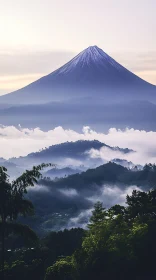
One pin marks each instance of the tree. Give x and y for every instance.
(121, 244)
(142, 205)
(117, 210)
(99, 214)
(60, 270)
(13, 203)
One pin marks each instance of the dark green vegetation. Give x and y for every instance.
(120, 243)
(30, 261)
(13, 203)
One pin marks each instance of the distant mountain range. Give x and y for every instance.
(100, 117)
(91, 89)
(57, 202)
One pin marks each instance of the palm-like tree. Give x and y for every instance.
(13, 203)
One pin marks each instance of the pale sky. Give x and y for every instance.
(37, 36)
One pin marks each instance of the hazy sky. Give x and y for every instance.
(37, 36)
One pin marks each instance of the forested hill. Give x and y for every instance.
(76, 150)
(59, 201)
(109, 172)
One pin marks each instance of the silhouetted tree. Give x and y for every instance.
(13, 203)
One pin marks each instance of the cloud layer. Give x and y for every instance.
(17, 141)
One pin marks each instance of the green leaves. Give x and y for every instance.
(61, 270)
(20, 229)
(119, 239)
(13, 204)
(99, 214)
(3, 174)
(142, 205)
(12, 194)
(29, 178)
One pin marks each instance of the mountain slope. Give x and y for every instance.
(92, 73)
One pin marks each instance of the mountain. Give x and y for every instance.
(90, 76)
(100, 117)
(66, 154)
(90, 90)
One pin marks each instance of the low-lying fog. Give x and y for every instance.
(18, 141)
(60, 207)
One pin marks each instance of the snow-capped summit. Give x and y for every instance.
(90, 57)
(91, 74)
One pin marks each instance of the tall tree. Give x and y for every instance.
(98, 216)
(13, 203)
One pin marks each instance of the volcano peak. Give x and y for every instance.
(94, 51)
(93, 48)
(91, 73)
(91, 58)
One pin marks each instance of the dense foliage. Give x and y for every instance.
(118, 243)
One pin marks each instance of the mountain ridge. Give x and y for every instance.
(76, 150)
